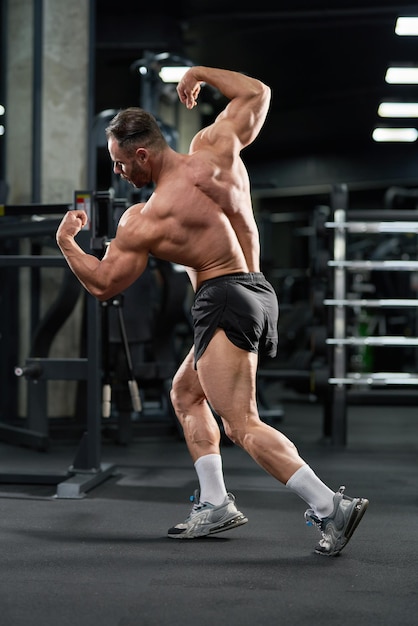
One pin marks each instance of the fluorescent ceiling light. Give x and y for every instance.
(173, 74)
(406, 26)
(402, 75)
(395, 134)
(398, 109)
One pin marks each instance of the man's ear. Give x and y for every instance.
(141, 154)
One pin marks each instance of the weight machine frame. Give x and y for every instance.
(87, 470)
(360, 221)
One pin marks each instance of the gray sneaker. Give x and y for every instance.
(207, 519)
(337, 528)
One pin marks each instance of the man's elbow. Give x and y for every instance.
(265, 94)
(260, 98)
(261, 90)
(102, 292)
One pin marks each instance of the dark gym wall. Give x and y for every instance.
(2, 95)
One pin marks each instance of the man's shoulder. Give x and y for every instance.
(215, 138)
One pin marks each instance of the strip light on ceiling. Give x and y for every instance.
(402, 75)
(173, 74)
(407, 26)
(398, 109)
(407, 135)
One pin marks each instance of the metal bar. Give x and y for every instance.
(37, 401)
(375, 227)
(80, 482)
(34, 478)
(18, 436)
(94, 387)
(54, 369)
(22, 260)
(338, 400)
(28, 228)
(35, 208)
(375, 265)
(380, 303)
(339, 293)
(35, 290)
(382, 215)
(373, 341)
(376, 378)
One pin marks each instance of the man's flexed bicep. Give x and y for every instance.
(120, 267)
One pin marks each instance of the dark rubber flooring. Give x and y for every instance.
(104, 560)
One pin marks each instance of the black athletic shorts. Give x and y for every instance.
(245, 306)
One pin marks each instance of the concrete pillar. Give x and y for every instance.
(65, 99)
(47, 137)
(64, 149)
(19, 100)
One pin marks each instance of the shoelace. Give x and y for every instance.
(312, 520)
(315, 521)
(197, 505)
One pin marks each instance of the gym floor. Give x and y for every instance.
(105, 559)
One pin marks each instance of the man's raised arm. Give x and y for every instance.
(249, 98)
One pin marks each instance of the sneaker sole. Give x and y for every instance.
(234, 522)
(355, 519)
(230, 524)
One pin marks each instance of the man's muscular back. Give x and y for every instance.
(189, 218)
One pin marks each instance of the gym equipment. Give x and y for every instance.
(293, 364)
(15, 226)
(146, 333)
(132, 383)
(158, 330)
(344, 333)
(86, 470)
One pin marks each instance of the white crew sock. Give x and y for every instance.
(211, 479)
(306, 484)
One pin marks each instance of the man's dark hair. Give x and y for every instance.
(134, 126)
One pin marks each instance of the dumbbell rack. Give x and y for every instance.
(340, 378)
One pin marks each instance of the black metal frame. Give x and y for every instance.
(339, 394)
(86, 470)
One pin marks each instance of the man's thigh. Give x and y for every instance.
(228, 377)
(186, 379)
